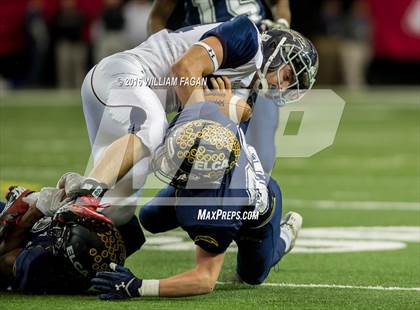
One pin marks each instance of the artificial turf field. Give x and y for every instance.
(366, 186)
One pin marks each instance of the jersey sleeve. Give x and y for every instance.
(240, 41)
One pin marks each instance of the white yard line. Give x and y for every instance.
(355, 205)
(316, 204)
(312, 285)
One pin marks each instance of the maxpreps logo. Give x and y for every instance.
(219, 214)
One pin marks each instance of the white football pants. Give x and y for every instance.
(114, 104)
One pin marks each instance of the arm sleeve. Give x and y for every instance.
(239, 38)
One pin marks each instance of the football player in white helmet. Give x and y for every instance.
(126, 96)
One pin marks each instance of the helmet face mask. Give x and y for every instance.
(287, 48)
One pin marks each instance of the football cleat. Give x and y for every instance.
(84, 212)
(14, 208)
(291, 222)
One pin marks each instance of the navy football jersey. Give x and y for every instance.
(216, 219)
(194, 12)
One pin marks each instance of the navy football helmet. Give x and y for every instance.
(198, 152)
(86, 250)
(283, 47)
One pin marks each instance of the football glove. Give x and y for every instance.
(48, 200)
(85, 194)
(119, 284)
(76, 186)
(83, 212)
(280, 23)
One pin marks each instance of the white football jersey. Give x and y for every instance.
(158, 53)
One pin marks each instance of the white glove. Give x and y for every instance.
(70, 182)
(280, 23)
(48, 200)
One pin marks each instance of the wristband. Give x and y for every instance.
(149, 288)
(211, 53)
(92, 187)
(232, 108)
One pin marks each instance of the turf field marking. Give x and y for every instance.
(312, 285)
(354, 205)
(315, 240)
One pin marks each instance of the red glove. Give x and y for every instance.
(14, 209)
(83, 212)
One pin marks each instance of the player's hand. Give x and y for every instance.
(84, 196)
(70, 182)
(76, 186)
(118, 284)
(232, 106)
(267, 24)
(221, 92)
(48, 200)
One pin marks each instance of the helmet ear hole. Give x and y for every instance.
(272, 46)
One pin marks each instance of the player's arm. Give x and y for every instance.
(18, 235)
(229, 45)
(7, 262)
(161, 11)
(282, 11)
(200, 280)
(196, 63)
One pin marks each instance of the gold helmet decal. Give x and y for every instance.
(200, 150)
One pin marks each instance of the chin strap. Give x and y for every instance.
(261, 83)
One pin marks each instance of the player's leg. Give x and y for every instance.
(132, 235)
(260, 249)
(115, 102)
(157, 215)
(261, 130)
(112, 110)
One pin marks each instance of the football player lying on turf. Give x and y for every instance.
(126, 112)
(48, 252)
(218, 194)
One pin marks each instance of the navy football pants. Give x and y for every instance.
(258, 249)
(262, 248)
